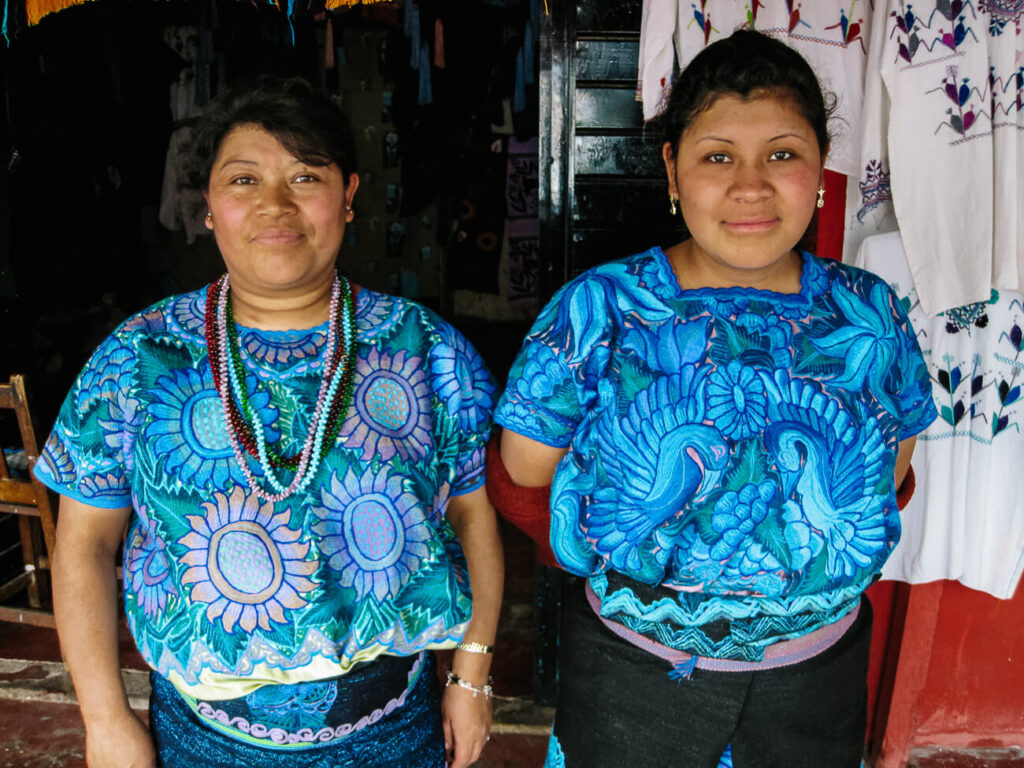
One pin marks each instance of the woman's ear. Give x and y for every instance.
(351, 185)
(208, 221)
(669, 156)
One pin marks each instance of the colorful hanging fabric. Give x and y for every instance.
(35, 10)
(966, 520)
(333, 5)
(942, 150)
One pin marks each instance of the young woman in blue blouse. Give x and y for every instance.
(724, 425)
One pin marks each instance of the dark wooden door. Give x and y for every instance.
(604, 195)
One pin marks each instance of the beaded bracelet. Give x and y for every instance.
(486, 690)
(475, 648)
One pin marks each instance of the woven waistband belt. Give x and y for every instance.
(302, 715)
(781, 654)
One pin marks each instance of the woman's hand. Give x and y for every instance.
(467, 725)
(467, 718)
(85, 607)
(119, 742)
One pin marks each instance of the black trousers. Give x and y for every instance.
(618, 707)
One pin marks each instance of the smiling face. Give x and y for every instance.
(746, 172)
(278, 221)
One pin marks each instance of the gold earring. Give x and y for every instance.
(672, 207)
(209, 218)
(821, 197)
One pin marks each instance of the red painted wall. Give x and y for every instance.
(959, 672)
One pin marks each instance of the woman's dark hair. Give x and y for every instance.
(308, 124)
(747, 64)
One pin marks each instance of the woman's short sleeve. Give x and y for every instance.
(467, 391)
(913, 383)
(87, 455)
(563, 353)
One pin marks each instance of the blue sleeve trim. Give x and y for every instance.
(531, 431)
(475, 483)
(102, 502)
(920, 424)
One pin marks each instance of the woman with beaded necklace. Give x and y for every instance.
(299, 464)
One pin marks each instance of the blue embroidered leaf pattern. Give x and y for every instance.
(769, 534)
(958, 412)
(1006, 394)
(588, 315)
(868, 343)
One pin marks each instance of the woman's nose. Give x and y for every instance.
(751, 182)
(277, 198)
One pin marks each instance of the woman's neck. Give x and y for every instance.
(695, 270)
(293, 311)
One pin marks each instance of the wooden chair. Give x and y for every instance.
(27, 499)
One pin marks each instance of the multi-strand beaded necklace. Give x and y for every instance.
(332, 401)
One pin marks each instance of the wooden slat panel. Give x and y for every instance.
(17, 492)
(607, 60)
(602, 204)
(607, 108)
(608, 16)
(21, 510)
(15, 585)
(27, 616)
(632, 156)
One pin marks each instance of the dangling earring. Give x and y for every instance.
(672, 207)
(821, 197)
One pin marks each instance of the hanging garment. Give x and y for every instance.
(185, 41)
(180, 205)
(831, 35)
(521, 205)
(966, 520)
(943, 146)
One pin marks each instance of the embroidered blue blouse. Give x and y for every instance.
(736, 446)
(224, 592)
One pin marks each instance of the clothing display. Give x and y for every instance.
(521, 208)
(225, 593)
(966, 521)
(942, 151)
(831, 35)
(180, 206)
(729, 480)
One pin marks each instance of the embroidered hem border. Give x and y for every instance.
(780, 654)
(261, 735)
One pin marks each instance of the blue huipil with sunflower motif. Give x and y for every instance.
(225, 592)
(729, 475)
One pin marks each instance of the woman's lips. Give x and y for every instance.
(277, 237)
(752, 225)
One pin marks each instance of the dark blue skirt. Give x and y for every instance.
(407, 735)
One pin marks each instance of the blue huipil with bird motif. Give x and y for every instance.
(733, 445)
